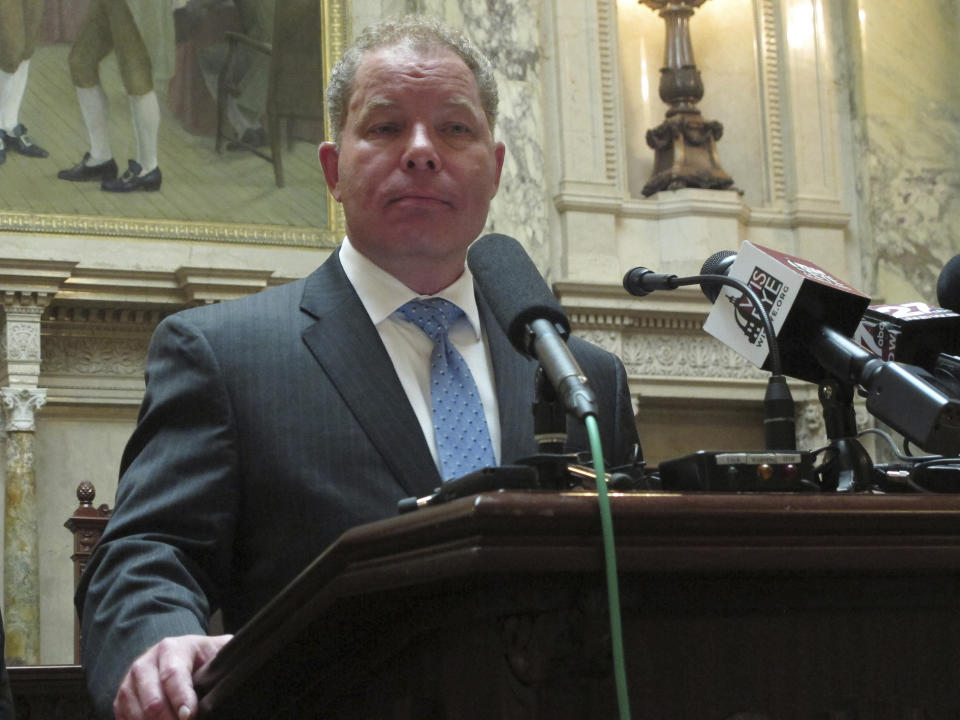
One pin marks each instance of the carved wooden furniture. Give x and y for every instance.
(769, 607)
(779, 606)
(50, 692)
(86, 524)
(58, 692)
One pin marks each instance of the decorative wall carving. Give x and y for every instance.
(660, 343)
(678, 356)
(94, 355)
(117, 317)
(23, 341)
(97, 354)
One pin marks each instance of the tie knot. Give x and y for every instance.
(433, 315)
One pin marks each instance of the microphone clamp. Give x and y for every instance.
(642, 281)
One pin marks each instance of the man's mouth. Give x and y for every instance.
(419, 199)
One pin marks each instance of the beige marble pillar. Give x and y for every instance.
(20, 399)
(21, 541)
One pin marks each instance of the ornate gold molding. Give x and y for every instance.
(23, 222)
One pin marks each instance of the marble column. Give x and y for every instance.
(21, 399)
(21, 541)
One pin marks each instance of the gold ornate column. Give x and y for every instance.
(21, 399)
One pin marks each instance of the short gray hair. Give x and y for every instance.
(420, 32)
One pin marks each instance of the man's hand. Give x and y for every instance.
(159, 683)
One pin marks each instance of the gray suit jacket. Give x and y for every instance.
(270, 425)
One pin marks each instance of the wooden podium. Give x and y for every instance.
(779, 606)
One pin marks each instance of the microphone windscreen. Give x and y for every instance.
(513, 287)
(948, 285)
(717, 264)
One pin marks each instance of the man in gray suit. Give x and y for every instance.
(272, 424)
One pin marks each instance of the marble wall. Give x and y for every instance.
(903, 64)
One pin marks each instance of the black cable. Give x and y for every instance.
(893, 445)
(671, 282)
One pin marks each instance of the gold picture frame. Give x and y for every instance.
(335, 35)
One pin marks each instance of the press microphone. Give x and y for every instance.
(948, 285)
(816, 314)
(799, 297)
(919, 334)
(779, 424)
(641, 281)
(914, 333)
(530, 315)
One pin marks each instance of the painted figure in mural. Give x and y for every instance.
(20, 22)
(130, 29)
(249, 72)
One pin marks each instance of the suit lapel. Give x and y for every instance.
(347, 345)
(513, 374)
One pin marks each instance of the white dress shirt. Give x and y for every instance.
(409, 347)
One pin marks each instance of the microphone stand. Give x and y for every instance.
(550, 431)
(549, 416)
(779, 425)
(847, 466)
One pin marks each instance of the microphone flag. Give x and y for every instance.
(914, 333)
(799, 296)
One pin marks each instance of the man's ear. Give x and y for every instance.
(499, 151)
(330, 162)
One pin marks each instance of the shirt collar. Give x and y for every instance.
(381, 293)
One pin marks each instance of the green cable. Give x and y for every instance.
(610, 560)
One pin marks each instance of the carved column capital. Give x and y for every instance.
(22, 404)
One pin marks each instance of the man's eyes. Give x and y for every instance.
(384, 129)
(452, 129)
(457, 128)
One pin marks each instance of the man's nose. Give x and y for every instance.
(421, 152)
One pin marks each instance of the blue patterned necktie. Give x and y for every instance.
(462, 436)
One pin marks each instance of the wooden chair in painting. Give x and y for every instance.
(295, 85)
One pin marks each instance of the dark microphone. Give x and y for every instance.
(799, 297)
(914, 333)
(530, 315)
(641, 282)
(919, 334)
(948, 285)
(817, 314)
(717, 264)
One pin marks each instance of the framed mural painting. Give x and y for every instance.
(227, 196)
